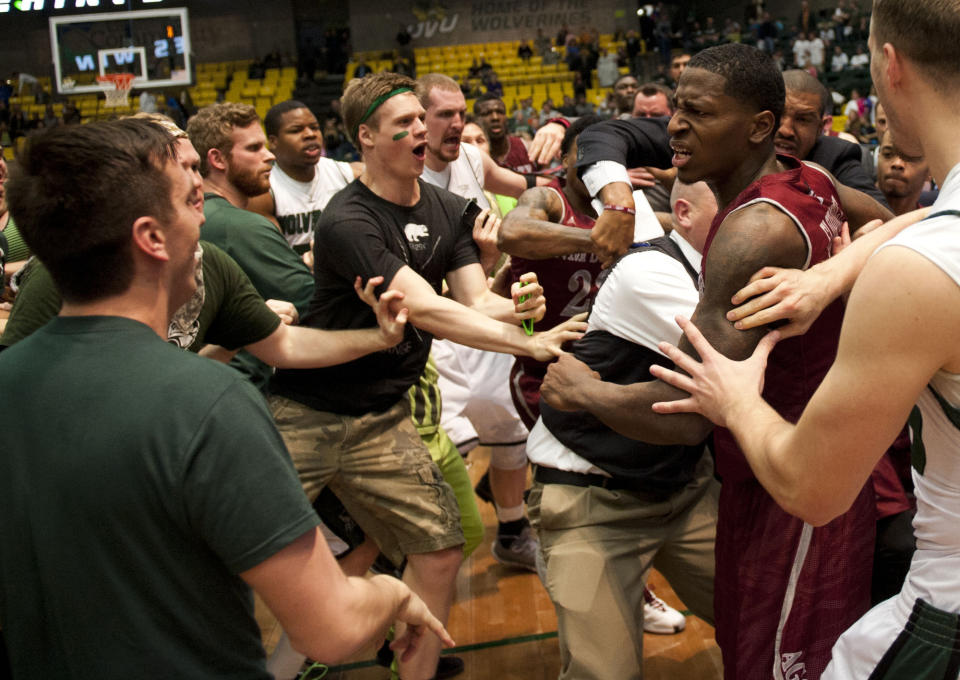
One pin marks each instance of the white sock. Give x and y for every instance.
(510, 514)
(285, 662)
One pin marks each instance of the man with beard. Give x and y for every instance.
(235, 164)
(624, 90)
(303, 180)
(779, 604)
(477, 407)
(900, 176)
(898, 357)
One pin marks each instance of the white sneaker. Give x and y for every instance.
(659, 617)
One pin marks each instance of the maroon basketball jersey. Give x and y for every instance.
(517, 158)
(797, 365)
(570, 284)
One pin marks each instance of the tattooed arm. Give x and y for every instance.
(531, 230)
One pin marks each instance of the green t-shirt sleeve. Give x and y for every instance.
(274, 268)
(36, 303)
(240, 489)
(235, 315)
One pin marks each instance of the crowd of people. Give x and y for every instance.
(233, 362)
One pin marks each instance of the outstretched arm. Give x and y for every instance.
(306, 589)
(450, 319)
(883, 363)
(531, 231)
(747, 238)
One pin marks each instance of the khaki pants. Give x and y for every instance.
(598, 545)
(381, 471)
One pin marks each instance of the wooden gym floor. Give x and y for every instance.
(506, 629)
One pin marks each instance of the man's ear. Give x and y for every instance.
(217, 159)
(681, 211)
(762, 127)
(826, 124)
(149, 238)
(365, 134)
(272, 143)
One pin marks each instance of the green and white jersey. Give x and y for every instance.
(935, 427)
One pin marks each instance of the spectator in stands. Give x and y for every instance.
(494, 86)
(362, 69)
(801, 51)
(677, 66)
(562, 35)
(816, 48)
(624, 90)
(547, 112)
(524, 51)
(71, 115)
(861, 59)
(633, 47)
(147, 102)
(579, 84)
(608, 107)
(806, 22)
(182, 587)
(584, 108)
(541, 43)
(569, 107)
(607, 70)
(767, 33)
(839, 61)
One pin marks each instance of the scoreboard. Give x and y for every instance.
(152, 44)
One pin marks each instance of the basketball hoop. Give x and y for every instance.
(116, 88)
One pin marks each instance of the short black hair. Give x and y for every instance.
(272, 121)
(487, 97)
(621, 77)
(82, 230)
(576, 127)
(799, 80)
(751, 75)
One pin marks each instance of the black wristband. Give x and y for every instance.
(531, 181)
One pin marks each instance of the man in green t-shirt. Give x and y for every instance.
(144, 490)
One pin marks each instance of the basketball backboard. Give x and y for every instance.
(153, 45)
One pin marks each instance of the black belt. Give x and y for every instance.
(548, 475)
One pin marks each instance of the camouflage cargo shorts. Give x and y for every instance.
(379, 468)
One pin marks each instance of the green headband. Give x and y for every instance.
(376, 105)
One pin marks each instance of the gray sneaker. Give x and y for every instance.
(520, 553)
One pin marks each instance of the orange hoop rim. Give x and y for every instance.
(121, 81)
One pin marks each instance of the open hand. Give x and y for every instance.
(718, 386)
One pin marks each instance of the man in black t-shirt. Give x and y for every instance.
(350, 426)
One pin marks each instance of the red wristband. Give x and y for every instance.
(559, 121)
(620, 208)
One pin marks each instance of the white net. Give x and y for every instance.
(116, 88)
